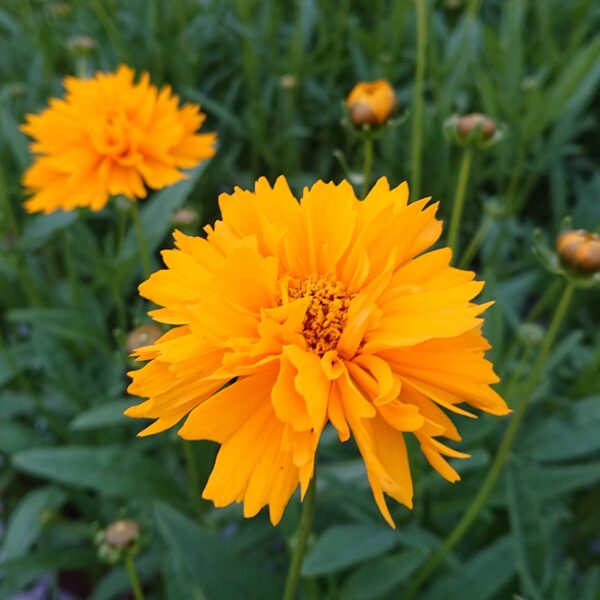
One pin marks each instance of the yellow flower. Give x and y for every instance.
(290, 316)
(110, 136)
(371, 102)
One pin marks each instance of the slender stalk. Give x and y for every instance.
(134, 580)
(476, 242)
(71, 272)
(191, 470)
(459, 200)
(503, 452)
(367, 164)
(139, 230)
(304, 529)
(418, 101)
(473, 7)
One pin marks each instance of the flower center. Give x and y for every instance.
(327, 311)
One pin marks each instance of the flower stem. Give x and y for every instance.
(368, 164)
(192, 471)
(134, 580)
(503, 452)
(304, 528)
(71, 272)
(476, 242)
(139, 230)
(418, 103)
(459, 200)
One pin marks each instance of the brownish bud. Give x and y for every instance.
(287, 81)
(122, 534)
(371, 102)
(185, 216)
(466, 125)
(143, 335)
(60, 9)
(82, 45)
(580, 250)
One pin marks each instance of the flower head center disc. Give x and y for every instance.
(327, 312)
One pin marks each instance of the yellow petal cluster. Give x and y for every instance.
(293, 316)
(110, 136)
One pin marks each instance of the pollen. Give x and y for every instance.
(327, 312)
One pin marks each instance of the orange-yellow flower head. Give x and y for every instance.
(291, 316)
(371, 102)
(111, 136)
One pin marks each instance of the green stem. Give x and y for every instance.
(134, 580)
(459, 200)
(509, 437)
(476, 242)
(418, 102)
(139, 230)
(71, 272)
(112, 31)
(191, 469)
(304, 529)
(368, 164)
(473, 8)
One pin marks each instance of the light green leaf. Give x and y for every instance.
(346, 545)
(109, 414)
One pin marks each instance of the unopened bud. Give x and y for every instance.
(530, 334)
(579, 250)
(185, 216)
(474, 128)
(60, 9)
(287, 81)
(82, 45)
(143, 335)
(122, 534)
(371, 103)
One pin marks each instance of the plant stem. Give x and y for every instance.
(368, 164)
(304, 529)
(71, 272)
(459, 200)
(191, 469)
(418, 104)
(503, 452)
(139, 230)
(475, 243)
(134, 580)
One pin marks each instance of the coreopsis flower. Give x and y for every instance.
(292, 316)
(110, 136)
(371, 102)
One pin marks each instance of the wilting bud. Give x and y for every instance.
(371, 103)
(117, 540)
(579, 250)
(82, 45)
(185, 216)
(143, 335)
(287, 81)
(474, 128)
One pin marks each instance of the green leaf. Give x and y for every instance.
(210, 563)
(530, 539)
(380, 576)
(552, 481)
(109, 414)
(479, 578)
(25, 521)
(111, 471)
(41, 228)
(346, 545)
(15, 437)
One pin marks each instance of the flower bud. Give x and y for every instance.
(82, 45)
(579, 250)
(60, 9)
(185, 216)
(143, 335)
(371, 103)
(474, 128)
(287, 81)
(122, 534)
(530, 334)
